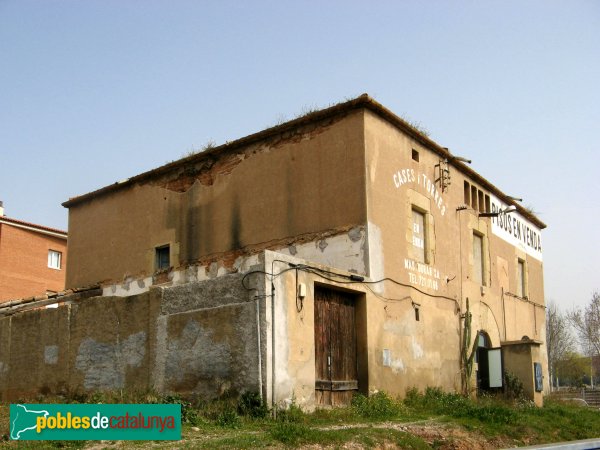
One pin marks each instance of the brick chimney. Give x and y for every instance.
(1, 208)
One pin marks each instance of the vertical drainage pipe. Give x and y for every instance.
(273, 344)
(258, 342)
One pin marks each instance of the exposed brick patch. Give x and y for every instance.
(205, 170)
(227, 259)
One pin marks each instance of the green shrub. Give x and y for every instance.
(228, 418)
(413, 397)
(436, 401)
(189, 414)
(251, 404)
(376, 406)
(513, 386)
(293, 414)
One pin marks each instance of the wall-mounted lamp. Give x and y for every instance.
(496, 214)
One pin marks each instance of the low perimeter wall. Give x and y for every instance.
(195, 339)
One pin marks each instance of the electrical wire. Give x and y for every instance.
(271, 275)
(524, 299)
(342, 279)
(317, 271)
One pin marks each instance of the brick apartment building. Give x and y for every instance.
(33, 259)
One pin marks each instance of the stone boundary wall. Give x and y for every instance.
(197, 339)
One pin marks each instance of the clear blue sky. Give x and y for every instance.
(96, 91)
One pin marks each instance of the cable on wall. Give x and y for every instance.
(345, 279)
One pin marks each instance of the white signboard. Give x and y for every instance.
(516, 230)
(495, 367)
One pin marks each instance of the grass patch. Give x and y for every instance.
(519, 420)
(434, 400)
(292, 433)
(378, 406)
(245, 422)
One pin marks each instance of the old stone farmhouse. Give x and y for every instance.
(331, 254)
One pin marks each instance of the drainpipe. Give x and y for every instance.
(273, 345)
(504, 313)
(258, 342)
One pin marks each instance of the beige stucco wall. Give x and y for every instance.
(356, 176)
(380, 325)
(518, 359)
(198, 340)
(305, 182)
(395, 182)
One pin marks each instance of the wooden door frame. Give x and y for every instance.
(360, 332)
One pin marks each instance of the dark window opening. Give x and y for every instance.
(467, 193)
(417, 318)
(163, 260)
(488, 207)
(481, 202)
(489, 364)
(415, 155)
(474, 198)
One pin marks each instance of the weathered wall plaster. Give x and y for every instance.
(198, 338)
(210, 207)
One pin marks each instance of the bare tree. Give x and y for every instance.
(586, 323)
(559, 340)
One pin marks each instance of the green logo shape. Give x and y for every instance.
(95, 422)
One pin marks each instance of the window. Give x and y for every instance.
(163, 260)
(481, 201)
(489, 364)
(415, 155)
(418, 235)
(521, 279)
(478, 269)
(474, 198)
(54, 259)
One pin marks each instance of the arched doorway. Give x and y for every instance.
(489, 364)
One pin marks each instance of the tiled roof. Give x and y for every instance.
(8, 220)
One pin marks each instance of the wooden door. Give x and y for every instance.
(335, 347)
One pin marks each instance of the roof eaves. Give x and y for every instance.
(247, 140)
(363, 101)
(33, 226)
(445, 153)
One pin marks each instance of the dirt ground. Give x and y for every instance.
(438, 436)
